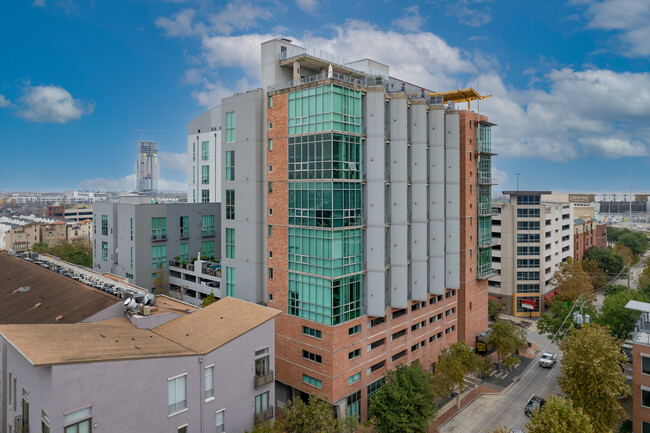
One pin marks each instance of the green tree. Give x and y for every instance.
(592, 374)
(161, 283)
(40, 247)
(210, 299)
(615, 316)
(484, 366)
(626, 253)
(406, 403)
(314, 416)
(501, 429)
(494, 309)
(596, 274)
(507, 338)
(613, 233)
(267, 427)
(570, 282)
(608, 260)
(637, 242)
(644, 277)
(456, 362)
(556, 321)
(560, 416)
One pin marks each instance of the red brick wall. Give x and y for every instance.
(639, 413)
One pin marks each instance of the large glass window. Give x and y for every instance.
(230, 282)
(645, 398)
(312, 381)
(528, 276)
(205, 174)
(324, 108)
(528, 212)
(528, 251)
(177, 394)
(325, 204)
(184, 255)
(104, 225)
(208, 379)
(529, 200)
(230, 204)
(354, 405)
(261, 402)
(325, 156)
(158, 256)
(528, 263)
(262, 365)
(527, 288)
(230, 166)
(205, 196)
(158, 228)
(527, 225)
(325, 300)
(207, 249)
(526, 309)
(230, 127)
(78, 421)
(207, 225)
(185, 226)
(221, 415)
(326, 252)
(645, 365)
(528, 237)
(205, 150)
(104, 251)
(230, 243)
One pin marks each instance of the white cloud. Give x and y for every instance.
(39, 3)
(628, 18)
(501, 176)
(181, 24)
(307, 5)
(235, 51)
(173, 161)
(52, 104)
(411, 21)
(127, 183)
(4, 102)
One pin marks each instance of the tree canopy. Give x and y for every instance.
(406, 403)
(592, 374)
(314, 416)
(608, 260)
(67, 252)
(455, 363)
(210, 299)
(571, 281)
(560, 416)
(507, 338)
(494, 309)
(596, 274)
(637, 242)
(550, 323)
(615, 316)
(626, 253)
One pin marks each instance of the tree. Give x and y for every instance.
(592, 374)
(210, 299)
(560, 416)
(406, 403)
(615, 316)
(161, 283)
(314, 416)
(608, 260)
(40, 247)
(501, 429)
(596, 274)
(637, 242)
(507, 338)
(485, 366)
(494, 309)
(267, 427)
(557, 323)
(456, 362)
(571, 281)
(644, 277)
(66, 252)
(626, 253)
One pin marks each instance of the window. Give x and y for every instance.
(230, 166)
(270, 125)
(376, 344)
(374, 387)
(270, 101)
(375, 322)
(230, 243)
(354, 330)
(645, 427)
(77, 421)
(527, 288)
(176, 394)
(376, 367)
(270, 144)
(45, 422)
(450, 294)
(528, 263)
(450, 329)
(262, 365)
(528, 276)
(104, 251)
(528, 237)
(270, 168)
(230, 127)
(354, 354)
(398, 355)
(207, 225)
(221, 420)
(270, 273)
(193, 151)
(158, 256)
(158, 228)
(398, 334)
(527, 225)
(418, 326)
(104, 225)
(270, 187)
(184, 226)
(270, 231)
(354, 405)
(398, 313)
(182, 429)
(528, 213)
(527, 251)
(312, 381)
(193, 175)
(355, 377)
(645, 397)
(209, 382)
(230, 282)
(261, 403)
(311, 332)
(645, 365)
(205, 196)
(530, 200)
(419, 305)
(312, 356)
(205, 150)
(450, 311)
(205, 175)
(417, 346)
(230, 204)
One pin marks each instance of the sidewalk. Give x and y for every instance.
(449, 410)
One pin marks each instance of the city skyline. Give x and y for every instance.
(567, 81)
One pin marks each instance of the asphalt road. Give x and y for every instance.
(489, 411)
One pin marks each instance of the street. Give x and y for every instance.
(489, 411)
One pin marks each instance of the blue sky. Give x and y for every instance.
(570, 79)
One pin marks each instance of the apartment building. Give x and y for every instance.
(139, 240)
(360, 206)
(640, 345)
(533, 237)
(204, 157)
(158, 373)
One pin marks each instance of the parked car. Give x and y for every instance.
(535, 402)
(547, 360)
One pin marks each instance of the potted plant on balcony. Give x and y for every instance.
(184, 264)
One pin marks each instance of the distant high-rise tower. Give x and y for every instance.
(147, 167)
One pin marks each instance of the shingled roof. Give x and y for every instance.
(50, 295)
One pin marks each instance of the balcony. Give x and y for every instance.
(485, 209)
(263, 379)
(185, 233)
(487, 241)
(485, 271)
(485, 148)
(207, 233)
(486, 179)
(264, 415)
(159, 236)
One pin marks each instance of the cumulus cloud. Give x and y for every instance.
(127, 183)
(411, 21)
(51, 104)
(181, 24)
(473, 13)
(627, 18)
(307, 5)
(4, 102)
(173, 161)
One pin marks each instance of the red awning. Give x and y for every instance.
(494, 298)
(549, 295)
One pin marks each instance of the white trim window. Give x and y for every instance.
(209, 382)
(221, 421)
(78, 421)
(177, 394)
(645, 363)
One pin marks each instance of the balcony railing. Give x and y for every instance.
(207, 233)
(263, 379)
(486, 179)
(185, 233)
(485, 148)
(485, 209)
(487, 241)
(485, 271)
(159, 236)
(264, 415)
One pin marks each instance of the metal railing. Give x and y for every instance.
(485, 209)
(207, 233)
(185, 233)
(263, 379)
(485, 271)
(159, 236)
(486, 241)
(264, 415)
(485, 147)
(486, 179)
